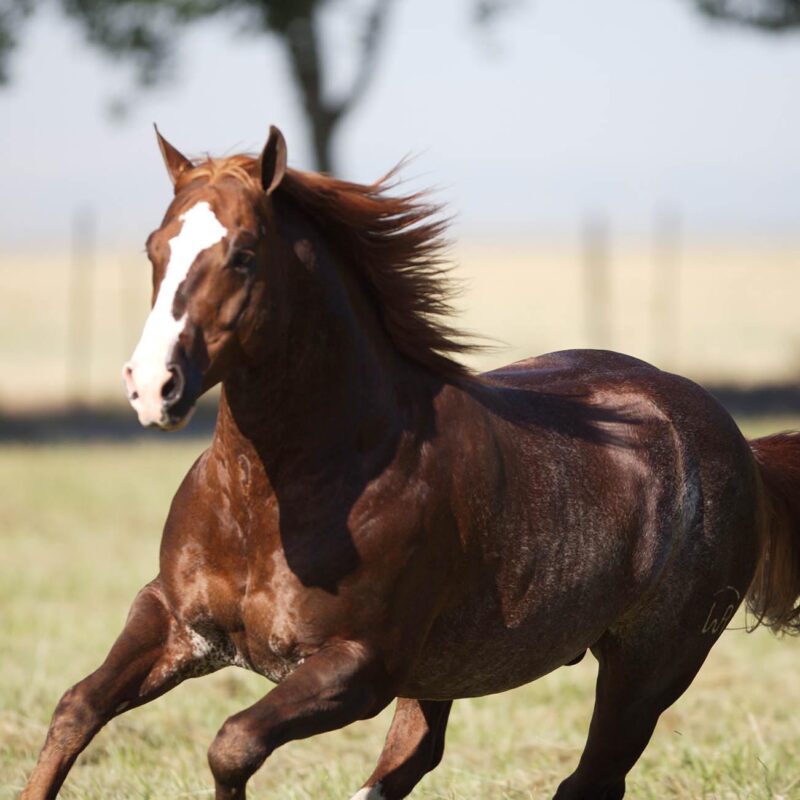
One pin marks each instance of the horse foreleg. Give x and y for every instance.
(150, 656)
(331, 689)
(413, 747)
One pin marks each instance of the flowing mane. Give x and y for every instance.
(395, 242)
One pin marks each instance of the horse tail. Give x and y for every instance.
(774, 594)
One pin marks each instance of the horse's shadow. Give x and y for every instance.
(317, 487)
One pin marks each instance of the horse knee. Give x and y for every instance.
(74, 717)
(237, 752)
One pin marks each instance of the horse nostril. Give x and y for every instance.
(172, 390)
(130, 386)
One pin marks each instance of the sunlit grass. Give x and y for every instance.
(80, 531)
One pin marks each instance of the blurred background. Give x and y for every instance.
(623, 174)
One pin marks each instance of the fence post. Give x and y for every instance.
(666, 258)
(597, 286)
(79, 320)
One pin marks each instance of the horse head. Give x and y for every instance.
(210, 262)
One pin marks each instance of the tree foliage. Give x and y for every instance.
(12, 16)
(145, 32)
(768, 15)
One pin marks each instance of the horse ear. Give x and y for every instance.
(273, 160)
(176, 162)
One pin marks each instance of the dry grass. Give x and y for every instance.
(80, 531)
(40, 327)
(735, 307)
(736, 315)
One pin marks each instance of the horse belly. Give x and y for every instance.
(474, 651)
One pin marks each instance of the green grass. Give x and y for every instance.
(80, 531)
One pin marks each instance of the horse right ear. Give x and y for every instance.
(175, 161)
(273, 160)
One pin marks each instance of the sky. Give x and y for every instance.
(563, 109)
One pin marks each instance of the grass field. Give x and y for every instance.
(80, 533)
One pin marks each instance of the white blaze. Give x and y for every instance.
(147, 368)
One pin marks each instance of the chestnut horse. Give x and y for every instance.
(372, 521)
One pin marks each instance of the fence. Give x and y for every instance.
(717, 312)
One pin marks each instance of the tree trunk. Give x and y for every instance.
(302, 43)
(322, 130)
(301, 36)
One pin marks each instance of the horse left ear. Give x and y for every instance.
(273, 160)
(175, 161)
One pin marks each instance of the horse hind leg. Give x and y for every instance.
(414, 746)
(637, 680)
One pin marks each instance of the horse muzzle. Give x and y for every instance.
(163, 396)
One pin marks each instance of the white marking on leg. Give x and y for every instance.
(369, 793)
(215, 654)
(148, 365)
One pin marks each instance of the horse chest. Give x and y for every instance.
(247, 616)
(264, 641)
(273, 632)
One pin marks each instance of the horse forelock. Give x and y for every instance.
(242, 169)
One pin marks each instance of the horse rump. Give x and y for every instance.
(774, 595)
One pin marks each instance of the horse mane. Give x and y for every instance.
(395, 243)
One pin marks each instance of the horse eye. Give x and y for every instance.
(241, 260)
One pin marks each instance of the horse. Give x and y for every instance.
(373, 521)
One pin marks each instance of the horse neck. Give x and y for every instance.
(335, 382)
